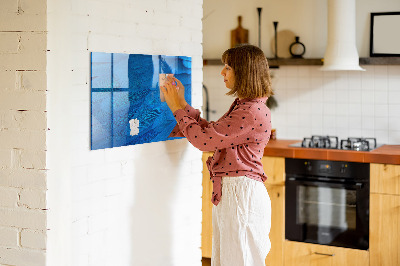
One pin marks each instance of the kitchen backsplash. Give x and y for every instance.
(314, 102)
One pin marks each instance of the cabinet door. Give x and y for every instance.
(277, 233)
(304, 254)
(206, 232)
(274, 168)
(385, 178)
(384, 230)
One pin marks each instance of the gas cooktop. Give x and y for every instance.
(332, 142)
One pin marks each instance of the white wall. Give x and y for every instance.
(306, 19)
(311, 102)
(23, 133)
(134, 205)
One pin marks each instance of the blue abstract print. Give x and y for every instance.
(127, 107)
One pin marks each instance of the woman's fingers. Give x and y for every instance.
(168, 87)
(175, 82)
(178, 82)
(180, 90)
(171, 96)
(169, 90)
(164, 90)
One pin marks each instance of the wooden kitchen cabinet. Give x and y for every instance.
(305, 254)
(384, 236)
(274, 168)
(206, 225)
(385, 215)
(277, 233)
(385, 178)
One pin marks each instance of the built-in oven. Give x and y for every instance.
(327, 202)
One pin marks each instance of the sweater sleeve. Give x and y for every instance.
(231, 130)
(193, 113)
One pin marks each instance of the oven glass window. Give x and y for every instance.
(326, 207)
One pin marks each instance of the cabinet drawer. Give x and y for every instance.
(304, 254)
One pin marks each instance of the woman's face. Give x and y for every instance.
(229, 76)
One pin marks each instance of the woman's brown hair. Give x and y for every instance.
(250, 66)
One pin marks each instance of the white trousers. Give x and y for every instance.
(241, 223)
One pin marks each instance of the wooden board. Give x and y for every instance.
(239, 35)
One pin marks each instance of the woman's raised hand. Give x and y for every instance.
(174, 92)
(181, 90)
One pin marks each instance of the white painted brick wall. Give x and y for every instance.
(10, 256)
(23, 132)
(34, 239)
(23, 178)
(23, 218)
(8, 197)
(19, 100)
(32, 120)
(124, 205)
(33, 198)
(9, 237)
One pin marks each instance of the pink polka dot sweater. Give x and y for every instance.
(238, 139)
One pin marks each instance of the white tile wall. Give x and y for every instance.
(342, 103)
(312, 102)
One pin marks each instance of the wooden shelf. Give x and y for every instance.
(274, 63)
(380, 61)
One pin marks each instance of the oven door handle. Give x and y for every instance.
(357, 185)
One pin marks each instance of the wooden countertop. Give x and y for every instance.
(389, 154)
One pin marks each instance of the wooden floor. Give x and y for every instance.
(206, 261)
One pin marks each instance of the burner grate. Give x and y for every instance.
(332, 142)
(358, 144)
(327, 142)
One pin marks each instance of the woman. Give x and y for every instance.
(242, 211)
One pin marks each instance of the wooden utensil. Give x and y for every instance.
(239, 35)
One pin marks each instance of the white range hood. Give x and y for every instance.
(341, 51)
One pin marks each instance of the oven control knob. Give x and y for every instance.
(308, 166)
(343, 168)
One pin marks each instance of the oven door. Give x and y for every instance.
(327, 213)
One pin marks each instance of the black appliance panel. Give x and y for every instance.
(327, 202)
